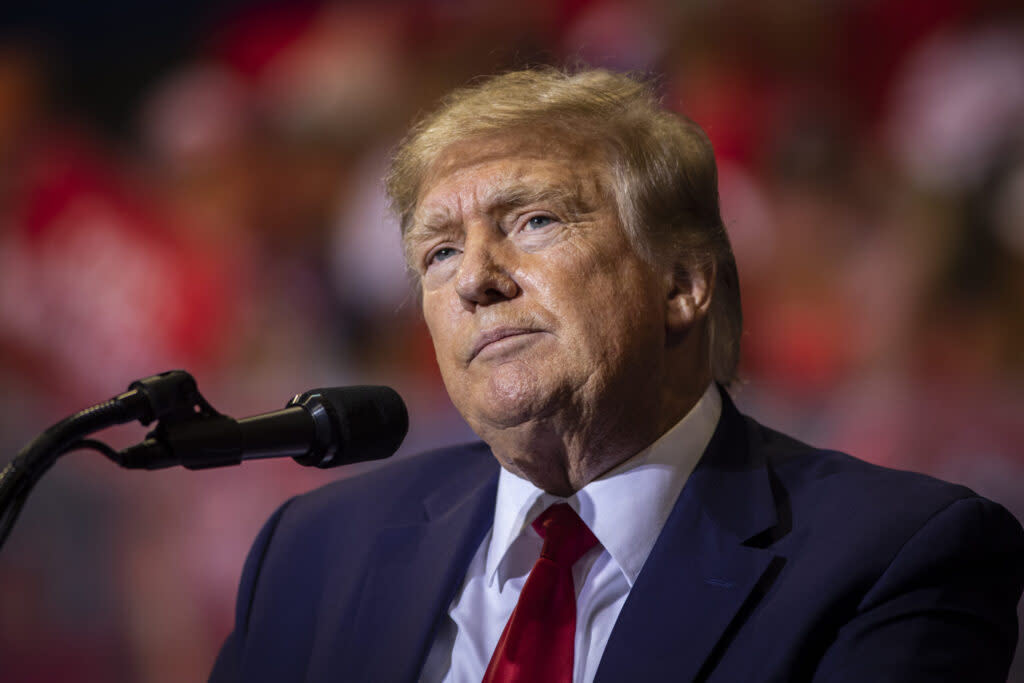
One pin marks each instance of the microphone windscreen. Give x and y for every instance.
(369, 422)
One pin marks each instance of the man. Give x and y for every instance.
(583, 301)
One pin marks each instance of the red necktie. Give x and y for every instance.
(537, 643)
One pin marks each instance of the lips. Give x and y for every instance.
(495, 335)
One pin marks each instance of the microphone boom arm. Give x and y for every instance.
(322, 428)
(167, 395)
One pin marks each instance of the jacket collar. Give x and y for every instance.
(703, 573)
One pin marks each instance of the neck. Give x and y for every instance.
(563, 453)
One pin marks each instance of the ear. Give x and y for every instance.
(689, 296)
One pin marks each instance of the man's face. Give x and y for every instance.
(537, 303)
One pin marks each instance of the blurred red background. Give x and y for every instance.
(198, 186)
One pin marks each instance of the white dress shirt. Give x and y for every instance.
(626, 510)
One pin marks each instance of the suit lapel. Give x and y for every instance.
(699, 575)
(415, 570)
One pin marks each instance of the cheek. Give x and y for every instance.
(442, 329)
(624, 315)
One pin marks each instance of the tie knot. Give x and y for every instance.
(566, 537)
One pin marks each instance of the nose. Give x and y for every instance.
(485, 276)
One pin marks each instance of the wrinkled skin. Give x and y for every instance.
(564, 349)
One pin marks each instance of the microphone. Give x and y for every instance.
(320, 428)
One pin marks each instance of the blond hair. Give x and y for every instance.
(662, 167)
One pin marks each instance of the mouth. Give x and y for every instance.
(492, 337)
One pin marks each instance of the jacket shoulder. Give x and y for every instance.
(388, 488)
(833, 480)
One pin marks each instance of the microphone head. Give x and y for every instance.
(353, 424)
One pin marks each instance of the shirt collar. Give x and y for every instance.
(625, 508)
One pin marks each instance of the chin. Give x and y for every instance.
(503, 406)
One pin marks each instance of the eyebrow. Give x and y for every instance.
(515, 196)
(502, 200)
(426, 226)
(567, 196)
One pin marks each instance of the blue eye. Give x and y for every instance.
(441, 254)
(539, 222)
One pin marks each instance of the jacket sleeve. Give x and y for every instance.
(227, 668)
(944, 609)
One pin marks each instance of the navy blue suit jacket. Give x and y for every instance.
(779, 562)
